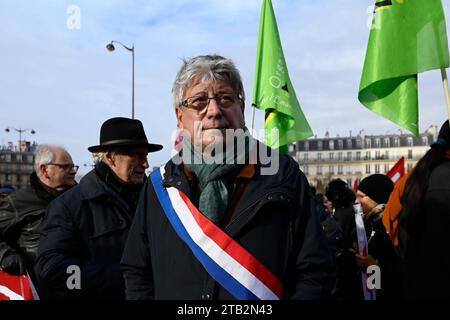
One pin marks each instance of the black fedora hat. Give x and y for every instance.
(119, 132)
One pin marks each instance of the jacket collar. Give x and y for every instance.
(260, 189)
(42, 191)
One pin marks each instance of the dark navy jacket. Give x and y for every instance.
(275, 220)
(87, 227)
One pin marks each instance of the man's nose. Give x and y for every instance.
(145, 163)
(213, 109)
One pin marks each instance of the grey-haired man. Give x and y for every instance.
(22, 212)
(213, 224)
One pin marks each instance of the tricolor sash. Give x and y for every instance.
(239, 272)
(369, 294)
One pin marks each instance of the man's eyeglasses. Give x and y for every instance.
(65, 166)
(199, 103)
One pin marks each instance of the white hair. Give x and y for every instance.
(205, 68)
(98, 157)
(44, 155)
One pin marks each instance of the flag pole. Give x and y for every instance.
(253, 119)
(446, 90)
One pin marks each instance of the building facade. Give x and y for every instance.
(16, 164)
(355, 157)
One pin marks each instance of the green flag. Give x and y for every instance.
(407, 37)
(273, 91)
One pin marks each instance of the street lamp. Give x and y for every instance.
(20, 131)
(111, 48)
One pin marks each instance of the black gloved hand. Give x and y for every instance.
(13, 264)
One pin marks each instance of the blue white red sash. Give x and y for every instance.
(369, 294)
(223, 258)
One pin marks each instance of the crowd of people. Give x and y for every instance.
(203, 227)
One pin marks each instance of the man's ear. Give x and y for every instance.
(109, 157)
(179, 115)
(43, 171)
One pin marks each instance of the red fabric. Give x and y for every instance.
(397, 171)
(355, 186)
(15, 287)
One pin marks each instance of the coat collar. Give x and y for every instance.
(260, 189)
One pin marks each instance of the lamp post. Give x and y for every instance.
(111, 48)
(20, 131)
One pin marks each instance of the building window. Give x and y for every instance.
(377, 155)
(387, 142)
(358, 155)
(339, 156)
(331, 155)
(331, 144)
(367, 168)
(349, 181)
(386, 154)
(409, 167)
(377, 142)
(340, 169)
(349, 143)
(319, 145)
(349, 169)
(410, 154)
(358, 143)
(368, 143)
(331, 169)
(386, 168)
(306, 170)
(377, 168)
(319, 156)
(291, 148)
(410, 141)
(396, 142)
(349, 156)
(425, 141)
(305, 156)
(368, 156)
(340, 144)
(306, 145)
(319, 170)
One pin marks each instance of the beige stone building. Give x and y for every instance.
(16, 164)
(355, 157)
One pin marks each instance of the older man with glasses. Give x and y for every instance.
(22, 212)
(84, 233)
(216, 222)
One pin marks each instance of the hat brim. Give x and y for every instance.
(151, 147)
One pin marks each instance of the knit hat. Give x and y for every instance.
(378, 187)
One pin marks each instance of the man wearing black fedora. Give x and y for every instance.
(85, 230)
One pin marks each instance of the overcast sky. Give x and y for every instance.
(57, 77)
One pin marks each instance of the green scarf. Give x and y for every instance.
(216, 180)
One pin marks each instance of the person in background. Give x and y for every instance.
(373, 193)
(425, 222)
(341, 196)
(22, 212)
(6, 190)
(85, 229)
(328, 205)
